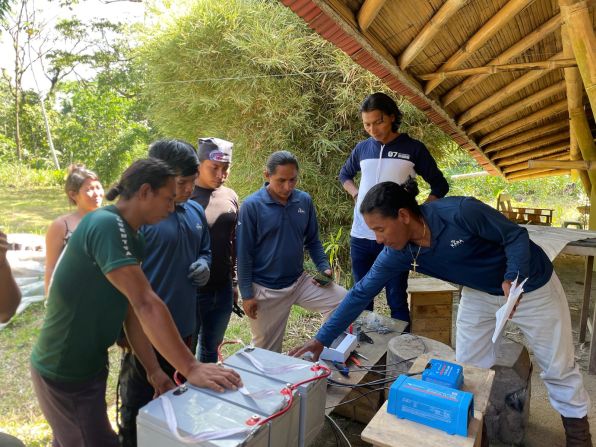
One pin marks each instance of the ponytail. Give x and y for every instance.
(387, 198)
(152, 171)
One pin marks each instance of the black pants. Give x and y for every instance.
(135, 392)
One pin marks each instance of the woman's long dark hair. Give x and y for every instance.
(387, 198)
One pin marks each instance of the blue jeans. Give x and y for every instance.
(363, 253)
(214, 307)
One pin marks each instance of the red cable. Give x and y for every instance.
(220, 358)
(288, 392)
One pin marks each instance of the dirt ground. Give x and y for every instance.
(545, 427)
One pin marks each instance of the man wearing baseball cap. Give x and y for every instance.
(217, 298)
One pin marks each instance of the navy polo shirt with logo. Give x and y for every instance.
(472, 244)
(271, 238)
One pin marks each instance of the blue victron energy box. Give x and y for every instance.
(444, 373)
(428, 403)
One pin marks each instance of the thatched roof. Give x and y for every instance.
(490, 73)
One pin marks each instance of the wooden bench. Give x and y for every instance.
(431, 303)
(524, 215)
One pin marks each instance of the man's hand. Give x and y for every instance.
(250, 307)
(431, 198)
(215, 377)
(323, 279)
(506, 286)
(199, 272)
(314, 346)
(160, 382)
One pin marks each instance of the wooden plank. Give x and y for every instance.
(492, 69)
(436, 310)
(432, 324)
(368, 13)
(425, 284)
(427, 298)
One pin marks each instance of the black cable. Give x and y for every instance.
(343, 435)
(356, 398)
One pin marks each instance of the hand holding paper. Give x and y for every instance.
(506, 310)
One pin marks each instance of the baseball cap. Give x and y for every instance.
(215, 149)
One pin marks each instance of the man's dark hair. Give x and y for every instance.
(152, 171)
(180, 156)
(384, 103)
(387, 198)
(280, 158)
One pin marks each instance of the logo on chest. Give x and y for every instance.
(456, 243)
(301, 211)
(394, 154)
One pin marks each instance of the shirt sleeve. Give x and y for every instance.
(388, 264)
(245, 240)
(108, 244)
(205, 250)
(427, 168)
(488, 223)
(312, 241)
(351, 167)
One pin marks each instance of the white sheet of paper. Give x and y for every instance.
(505, 310)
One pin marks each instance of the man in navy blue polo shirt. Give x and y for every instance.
(178, 256)
(275, 225)
(387, 155)
(462, 240)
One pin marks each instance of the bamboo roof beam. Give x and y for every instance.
(545, 141)
(530, 176)
(583, 41)
(537, 153)
(526, 136)
(580, 165)
(509, 112)
(491, 69)
(505, 92)
(429, 31)
(488, 30)
(368, 13)
(524, 164)
(547, 112)
(515, 50)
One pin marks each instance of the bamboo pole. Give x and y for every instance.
(575, 13)
(557, 172)
(488, 30)
(580, 165)
(527, 172)
(515, 50)
(547, 112)
(368, 12)
(492, 69)
(526, 136)
(537, 153)
(509, 112)
(523, 165)
(505, 92)
(535, 144)
(429, 31)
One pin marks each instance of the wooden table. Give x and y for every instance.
(376, 353)
(386, 430)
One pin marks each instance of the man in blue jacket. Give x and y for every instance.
(462, 240)
(387, 155)
(275, 225)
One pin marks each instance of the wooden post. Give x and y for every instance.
(368, 13)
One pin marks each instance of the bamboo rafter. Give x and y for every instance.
(503, 93)
(510, 111)
(547, 112)
(580, 165)
(368, 12)
(430, 30)
(540, 174)
(488, 30)
(535, 144)
(526, 136)
(524, 164)
(515, 50)
(538, 153)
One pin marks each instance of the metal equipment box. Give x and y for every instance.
(285, 369)
(198, 412)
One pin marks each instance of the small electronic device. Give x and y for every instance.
(322, 279)
(431, 404)
(340, 349)
(444, 373)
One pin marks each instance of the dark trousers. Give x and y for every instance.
(363, 253)
(135, 392)
(76, 411)
(214, 308)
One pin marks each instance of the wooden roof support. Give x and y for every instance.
(526, 136)
(488, 30)
(368, 13)
(524, 164)
(575, 13)
(580, 165)
(429, 31)
(535, 144)
(509, 112)
(515, 50)
(491, 69)
(503, 93)
(537, 174)
(538, 153)
(547, 112)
